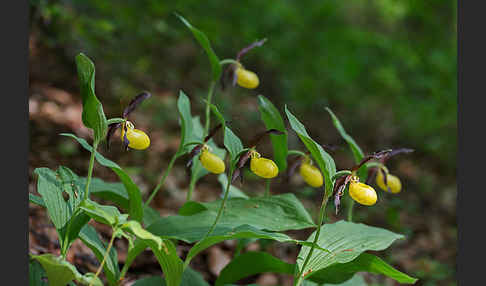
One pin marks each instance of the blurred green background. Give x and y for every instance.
(387, 69)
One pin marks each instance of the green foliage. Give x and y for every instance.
(273, 120)
(346, 241)
(323, 159)
(135, 198)
(206, 45)
(333, 257)
(93, 115)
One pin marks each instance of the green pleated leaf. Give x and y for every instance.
(251, 263)
(356, 280)
(90, 238)
(113, 192)
(37, 275)
(190, 277)
(93, 115)
(240, 232)
(342, 272)
(51, 185)
(134, 195)
(109, 215)
(346, 241)
(273, 120)
(322, 158)
(60, 272)
(36, 200)
(150, 215)
(77, 223)
(274, 213)
(206, 45)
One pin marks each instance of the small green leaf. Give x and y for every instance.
(37, 275)
(231, 141)
(323, 159)
(189, 278)
(135, 228)
(357, 280)
(251, 263)
(184, 109)
(90, 238)
(135, 197)
(109, 215)
(60, 272)
(206, 45)
(114, 192)
(273, 120)
(342, 272)
(93, 115)
(355, 149)
(36, 200)
(346, 241)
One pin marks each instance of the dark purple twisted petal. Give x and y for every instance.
(248, 48)
(256, 140)
(134, 103)
(212, 132)
(396, 152)
(111, 130)
(239, 165)
(196, 150)
(125, 139)
(293, 166)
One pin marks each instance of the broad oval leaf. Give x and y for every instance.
(342, 272)
(346, 241)
(274, 213)
(250, 263)
(93, 115)
(51, 185)
(190, 277)
(322, 158)
(135, 198)
(206, 45)
(273, 120)
(240, 232)
(37, 275)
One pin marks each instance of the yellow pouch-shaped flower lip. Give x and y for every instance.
(362, 193)
(311, 175)
(263, 167)
(391, 181)
(246, 78)
(137, 139)
(211, 162)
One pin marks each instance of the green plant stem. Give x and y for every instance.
(229, 61)
(65, 245)
(322, 212)
(90, 170)
(208, 107)
(350, 209)
(110, 244)
(267, 188)
(192, 185)
(220, 211)
(162, 179)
